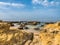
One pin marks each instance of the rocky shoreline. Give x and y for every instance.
(29, 34)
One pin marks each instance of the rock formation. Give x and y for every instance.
(13, 37)
(49, 35)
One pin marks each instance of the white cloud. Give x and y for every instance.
(45, 3)
(17, 5)
(11, 4)
(35, 1)
(54, 3)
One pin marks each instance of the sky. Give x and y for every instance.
(30, 10)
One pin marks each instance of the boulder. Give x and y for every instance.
(36, 28)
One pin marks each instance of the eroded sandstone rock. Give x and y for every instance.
(4, 26)
(15, 37)
(49, 35)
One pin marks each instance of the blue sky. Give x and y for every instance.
(29, 10)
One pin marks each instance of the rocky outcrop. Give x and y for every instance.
(4, 26)
(49, 35)
(14, 37)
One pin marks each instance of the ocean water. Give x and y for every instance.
(33, 17)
